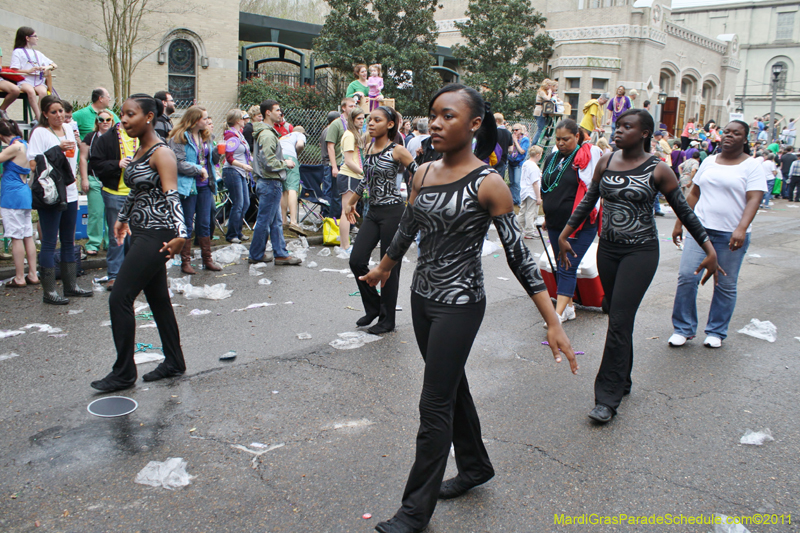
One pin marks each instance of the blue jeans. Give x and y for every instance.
(514, 176)
(567, 279)
(656, 204)
(768, 193)
(501, 169)
(240, 201)
(197, 212)
(58, 225)
(116, 253)
(330, 189)
(268, 220)
(541, 122)
(684, 311)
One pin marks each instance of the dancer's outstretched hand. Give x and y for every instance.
(375, 276)
(559, 343)
(173, 247)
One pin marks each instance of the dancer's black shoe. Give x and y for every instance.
(366, 320)
(601, 413)
(458, 486)
(110, 383)
(161, 372)
(395, 525)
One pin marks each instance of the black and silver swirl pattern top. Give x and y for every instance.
(628, 197)
(148, 206)
(380, 177)
(452, 225)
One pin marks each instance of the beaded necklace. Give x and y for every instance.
(122, 143)
(619, 104)
(547, 176)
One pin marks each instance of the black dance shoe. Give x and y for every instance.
(601, 413)
(379, 329)
(161, 372)
(395, 525)
(111, 384)
(458, 486)
(366, 320)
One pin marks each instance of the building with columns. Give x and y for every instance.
(601, 44)
(769, 35)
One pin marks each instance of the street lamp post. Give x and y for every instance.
(662, 99)
(777, 68)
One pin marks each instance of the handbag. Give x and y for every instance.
(330, 232)
(46, 184)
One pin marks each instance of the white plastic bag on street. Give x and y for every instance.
(489, 247)
(213, 292)
(177, 285)
(353, 339)
(757, 438)
(199, 312)
(10, 333)
(171, 474)
(147, 357)
(265, 281)
(765, 330)
(325, 252)
(255, 269)
(732, 527)
(229, 254)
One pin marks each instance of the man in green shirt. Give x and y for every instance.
(87, 116)
(96, 226)
(333, 141)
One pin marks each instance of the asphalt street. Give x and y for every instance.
(296, 436)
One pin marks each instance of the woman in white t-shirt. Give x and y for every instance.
(52, 131)
(728, 188)
(771, 171)
(34, 64)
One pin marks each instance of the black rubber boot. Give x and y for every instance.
(69, 275)
(50, 295)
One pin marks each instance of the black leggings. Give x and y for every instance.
(144, 269)
(380, 225)
(445, 333)
(634, 265)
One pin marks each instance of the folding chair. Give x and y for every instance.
(311, 198)
(222, 201)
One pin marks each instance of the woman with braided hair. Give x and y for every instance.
(451, 204)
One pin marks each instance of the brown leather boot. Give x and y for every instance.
(186, 258)
(205, 251)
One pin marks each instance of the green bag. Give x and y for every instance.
(776, 189)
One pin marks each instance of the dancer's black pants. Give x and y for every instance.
(445, 334)
(633, 266)
(380, 225)
(144, 269)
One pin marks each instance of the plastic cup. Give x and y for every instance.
(221, 148)
(69, 153)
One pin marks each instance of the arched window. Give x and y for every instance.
(783, 75)
(182, 68)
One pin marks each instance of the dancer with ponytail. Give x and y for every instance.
(152, 215)
(627, 257)
(381, 166)
(451, 204)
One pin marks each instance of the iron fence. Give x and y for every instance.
(314, 121)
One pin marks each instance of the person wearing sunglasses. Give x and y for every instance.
(86, 116)
(92, 187)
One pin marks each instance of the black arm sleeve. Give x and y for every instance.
(104, 159)
(586, 206)
(687, 217)
(518, 255)
(405, 235)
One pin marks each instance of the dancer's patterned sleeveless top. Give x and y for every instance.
(628, 197)
(380, 177)
(148, 206)
(452, 225)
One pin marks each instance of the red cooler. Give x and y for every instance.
(588, 290)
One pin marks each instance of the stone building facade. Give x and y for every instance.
(191, 47)
(769, 34)
(601, 44)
